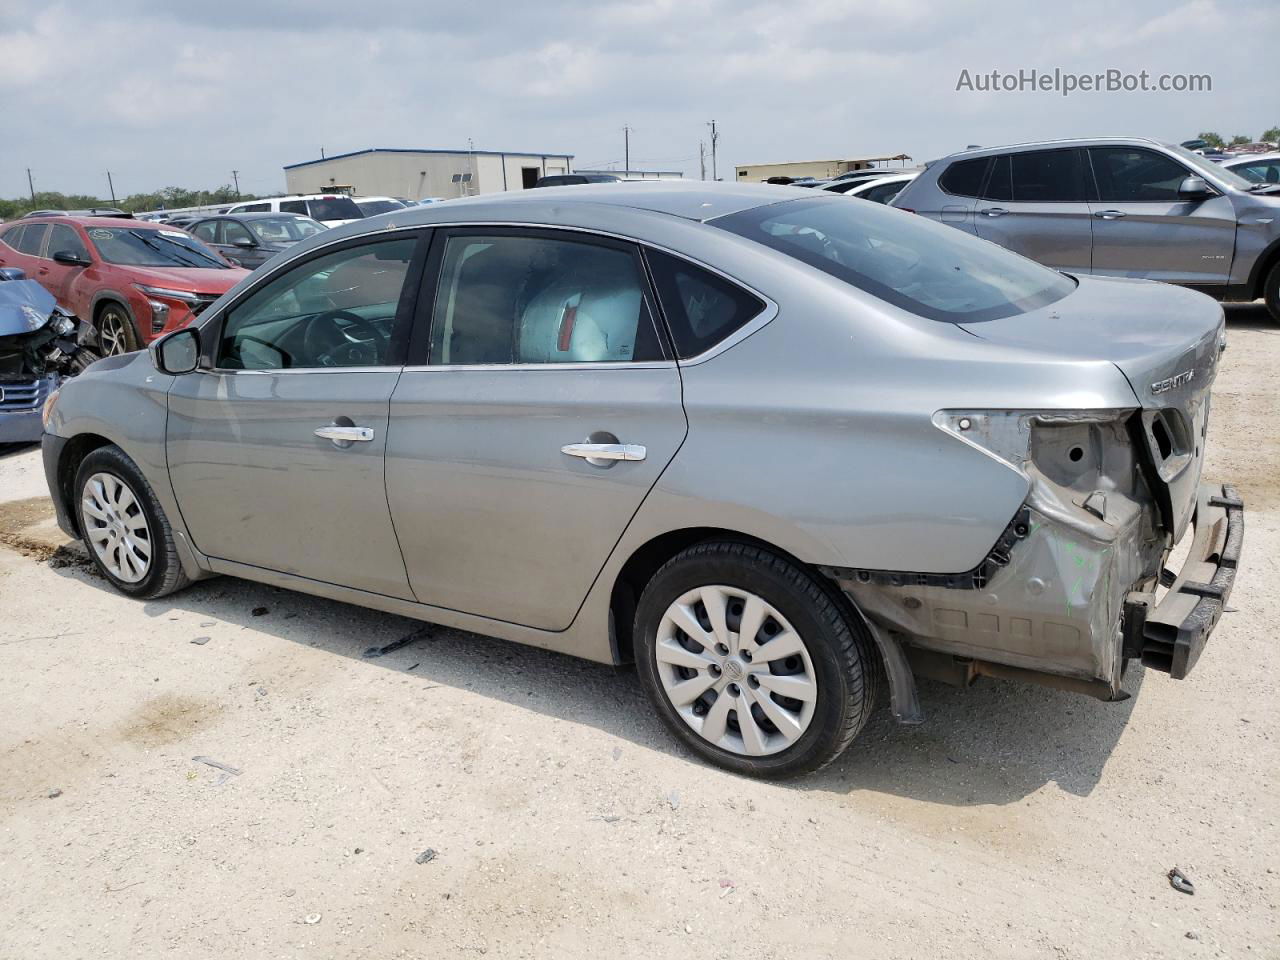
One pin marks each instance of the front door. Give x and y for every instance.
(276, 450)
(1035, 204)
(1141, 228)
(58, 277)
(531, 423)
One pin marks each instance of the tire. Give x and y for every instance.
(1271, 291)
(836, 656)
(116, 333)
(132, 523)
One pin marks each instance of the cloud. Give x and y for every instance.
(162, 93)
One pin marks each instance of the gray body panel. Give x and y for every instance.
(1059, 235)
(812, 429)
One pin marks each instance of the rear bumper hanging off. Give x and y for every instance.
(1170, 634)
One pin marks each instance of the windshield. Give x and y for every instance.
(931, 270)
(371, 208)
(333, 208)
(284, 229)
(139, 247)
(1222, 174)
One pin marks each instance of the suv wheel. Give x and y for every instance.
(1271, 292)
(751, 661)
(124, 527)
(115, 331)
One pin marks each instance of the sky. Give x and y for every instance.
(180, 94)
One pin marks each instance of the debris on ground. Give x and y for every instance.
(200, 641)
(673, 798)
(54, 793)
(611, 818)
(219, 765)
(311, 918)
(1181, 882)
(422, 633)
(290, 892)
(259, 611)
(426, 856)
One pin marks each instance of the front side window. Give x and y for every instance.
(134, 247)
(336, 310)
(1134, 175)
(926, 268)
(702, 309)
(508, 298)
(234, 232)
(1048, 176)
(64, 239)
(32, 237)
(284, 229)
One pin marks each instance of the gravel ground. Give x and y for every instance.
(1017, 822)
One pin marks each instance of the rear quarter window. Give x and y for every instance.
(964, 178)
(701, 308)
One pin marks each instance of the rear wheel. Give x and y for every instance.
(116, 334)
(751, 661)
(1271, 292)
(124, 527)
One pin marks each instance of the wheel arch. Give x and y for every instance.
(1267, 260)
(72, 455)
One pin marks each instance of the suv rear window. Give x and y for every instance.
(964, 179)
(926, 268)
(330, 208)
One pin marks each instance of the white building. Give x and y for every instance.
(416, 174)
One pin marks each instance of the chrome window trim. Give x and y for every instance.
(228, 371)
(760, 320)
(526, 367)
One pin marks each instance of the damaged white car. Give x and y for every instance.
(776, 448)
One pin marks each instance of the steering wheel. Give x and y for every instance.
(330, 345)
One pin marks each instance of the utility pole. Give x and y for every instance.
(702, 159)
(235, 176)
(714, 137)
(31, 186)
(626, 150)
(112, 187)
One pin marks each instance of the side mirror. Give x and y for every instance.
(12, 273)
(177, 353)
(1194, 188)
(244, 242)
(71, 259)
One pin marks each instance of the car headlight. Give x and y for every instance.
(186, 296)
(46, 411)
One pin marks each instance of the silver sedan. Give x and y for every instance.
(782, 450)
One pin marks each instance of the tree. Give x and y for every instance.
(168, 198)
(1239, 139)
(1212, 139)
(1271, 136)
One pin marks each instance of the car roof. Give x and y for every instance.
(253, 215)
(1250, 158)
(1067, 142)
(695, 200)
(103, 222)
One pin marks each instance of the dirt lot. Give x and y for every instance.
(1017, 822)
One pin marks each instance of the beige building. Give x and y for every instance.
(818, 169)
(415, 174)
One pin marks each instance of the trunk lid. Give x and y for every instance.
(1166, 341)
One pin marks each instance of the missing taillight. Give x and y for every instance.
(1163, 441)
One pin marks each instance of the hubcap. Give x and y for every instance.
(116, 527)
(736, 671)
(111, 334)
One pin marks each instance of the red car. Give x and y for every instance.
(131, 279)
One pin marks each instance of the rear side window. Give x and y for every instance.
(13, 236)
(701, 307)
(920, 266)
(64, 239)
(1000, 183)
(327, 208)
(206, 230)
(255, 208)
(293, 206)
(32, 237)
(964, 179)
(505, 298)
(1048, 176)
(1134, 175)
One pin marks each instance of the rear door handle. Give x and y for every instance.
(605, 451)
(994, 211)
(344, 436)
(1109, 214)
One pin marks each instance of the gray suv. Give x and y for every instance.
(1120, 207)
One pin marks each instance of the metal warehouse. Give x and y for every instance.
(416, 174)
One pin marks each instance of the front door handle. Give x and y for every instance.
(344, 436)
(1109, 214)
(604, 451)
(994, 212)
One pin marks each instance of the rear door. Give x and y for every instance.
(1142, 228)
(539, 408)
(276, 447)
(1035, 204)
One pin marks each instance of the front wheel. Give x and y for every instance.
(116, 335)
(1271, 292)
(751, 661)
(125, 528)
